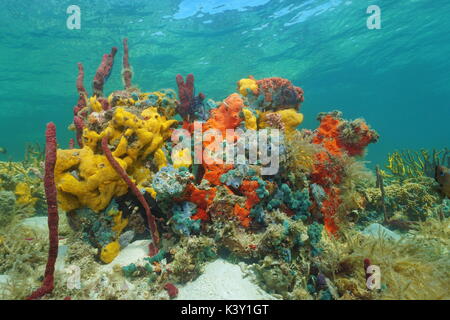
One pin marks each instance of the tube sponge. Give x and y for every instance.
(297, 201)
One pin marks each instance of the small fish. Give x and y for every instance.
(126, 238)
(442, 176)
(2, 150)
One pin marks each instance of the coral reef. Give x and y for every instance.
(341, 139)
(147, 200)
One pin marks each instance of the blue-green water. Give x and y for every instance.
(397, 78)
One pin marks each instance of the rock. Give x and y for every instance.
(378, 231)
(222, 280)
(39, 224)
(126, 238)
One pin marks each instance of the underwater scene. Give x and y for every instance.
(225, 150)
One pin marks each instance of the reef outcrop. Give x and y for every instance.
(238, 178)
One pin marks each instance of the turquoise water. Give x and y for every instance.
(397, 78)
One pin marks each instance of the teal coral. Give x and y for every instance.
(129, 270)
(156, 258)
(315, 234)
(96, 227)
(235, 176)
(297, 201)
(182, 221)
(261, 191)
(258, 214)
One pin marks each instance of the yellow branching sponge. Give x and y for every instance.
(250, 119)
(84, 177)
(23, 195)
(110, 252)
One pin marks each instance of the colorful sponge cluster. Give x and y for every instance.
(275, 101)
(340, 138)
(125, 144)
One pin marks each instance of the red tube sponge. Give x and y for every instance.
(153, 246)
(80, 80)
(103, 72)
(126, 73)
(52, 207)
(79, 125)
(185, 93)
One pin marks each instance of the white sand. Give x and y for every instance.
(222, 280)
